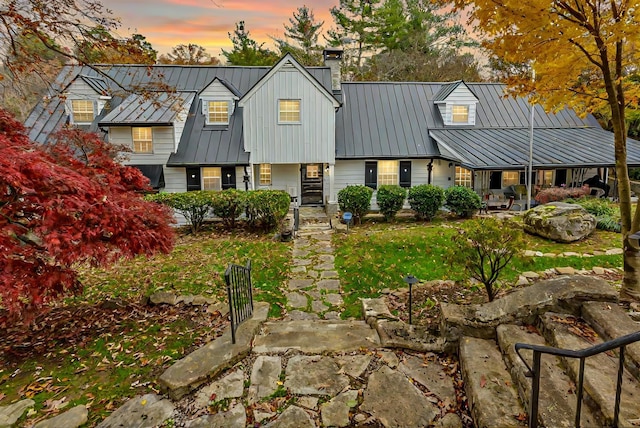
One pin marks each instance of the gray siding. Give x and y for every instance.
(163, 145)
(311, 141)
(175, 179)
(459, 96)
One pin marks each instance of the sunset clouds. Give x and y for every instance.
(166, 23)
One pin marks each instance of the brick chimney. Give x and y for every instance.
(333, 60)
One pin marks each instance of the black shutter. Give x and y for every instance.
(193, 179)
(371, 174)
(228, 177)
(561, 177)
(405, 173)
(495, 180)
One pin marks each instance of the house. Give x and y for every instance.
(302, 130)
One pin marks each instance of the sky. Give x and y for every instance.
(167, 23)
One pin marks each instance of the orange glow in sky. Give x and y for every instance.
(167, 23)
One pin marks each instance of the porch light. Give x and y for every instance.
(410, 279)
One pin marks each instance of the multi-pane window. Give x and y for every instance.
(313, 170)
(460, 114)
(265, 174)
(463, 177)
(289, 111)
(218, 113)
(387, 172)
(82, 111)
(547, 177)
(211, 178)
(142, 140)
(510, 178)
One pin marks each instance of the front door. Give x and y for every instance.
(311, 184)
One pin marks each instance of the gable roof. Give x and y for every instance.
(447, 88)
(284, 61)
(96, 83)
(224, 83)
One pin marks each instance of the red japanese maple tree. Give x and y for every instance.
(67, 202)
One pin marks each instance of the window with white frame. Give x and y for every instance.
(388, 172)
(211, 178)
(142, 140)
(460, 114)
(510, 178)
(82, 111)
(265, 174)
(463, 177)
(289, 111)
(217, 112)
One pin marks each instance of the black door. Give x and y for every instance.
(561, 177)
(193, 179)
(405, 173)
(311, 184)
(228, 177)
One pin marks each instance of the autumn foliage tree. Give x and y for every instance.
(66, 203)
(583, 53)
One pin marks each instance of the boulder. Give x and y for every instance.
(559, 222)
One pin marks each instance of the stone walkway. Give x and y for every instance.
(314, 288)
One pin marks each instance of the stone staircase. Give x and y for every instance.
(499, 391)
(313, 219)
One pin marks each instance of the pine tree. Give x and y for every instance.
(247, 51)
(304, 31)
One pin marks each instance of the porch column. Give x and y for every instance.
(332, 191)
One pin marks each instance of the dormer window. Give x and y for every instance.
(288, 111)
(460, 114)
(82, 111)
(142, 140)
(217, 112)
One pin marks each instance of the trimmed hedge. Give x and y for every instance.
(462, 200)
(228, 204)
(426, 200)
(194, 206)
(390, 200)
(356, 200)
(267, 208)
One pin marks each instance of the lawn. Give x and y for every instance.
(106, 345)
(377, 256)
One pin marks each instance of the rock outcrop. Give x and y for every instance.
(559, 222)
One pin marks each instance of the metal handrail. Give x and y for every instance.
(538, 350)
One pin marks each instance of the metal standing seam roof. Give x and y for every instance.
(203, 144)
(148, 109)
(97, 84)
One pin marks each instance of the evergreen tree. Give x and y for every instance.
(247, 51)
(189, 54)
(304, 31)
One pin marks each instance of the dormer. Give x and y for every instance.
(86, 97)
(218, 102)
(457, 104)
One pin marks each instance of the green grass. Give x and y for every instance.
(373, 257)
(125, 359)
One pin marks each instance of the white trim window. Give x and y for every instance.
(217, 112)
(463, 177)
(459, 113)
(265, 174)
(288, 111)
(82, 111)
(142, 140)
(212, 178)
(510, 178)
(388, 172)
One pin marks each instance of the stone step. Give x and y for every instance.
(315, 336)
(557, 399)
(601, 370)
(611, 321)
(493, 399)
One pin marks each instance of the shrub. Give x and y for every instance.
(194, 206)
(228, 205)
(607, 214)
(634, 173)
(555, 194)
(390, 200)
(484, 247)
(426, 200)
(356, 200)
(267, 208)
(463, 201)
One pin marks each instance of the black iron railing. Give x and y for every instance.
(582, 354)
(238, 279)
